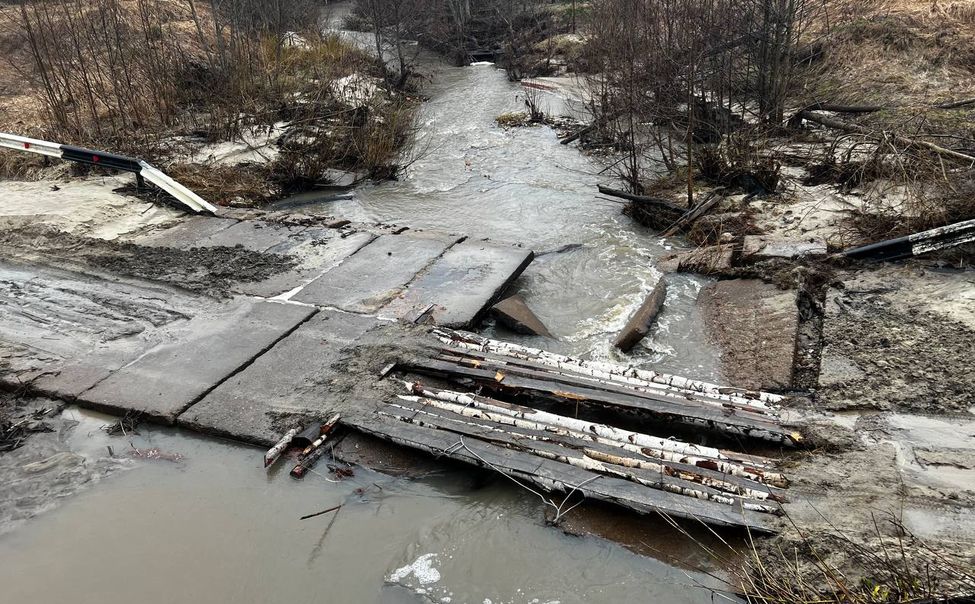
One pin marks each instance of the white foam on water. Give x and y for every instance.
(422, 568)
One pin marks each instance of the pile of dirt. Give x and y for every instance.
(210, 270)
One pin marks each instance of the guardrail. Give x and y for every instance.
(141, 169)
(940, 238)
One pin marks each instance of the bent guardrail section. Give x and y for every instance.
(109, 160)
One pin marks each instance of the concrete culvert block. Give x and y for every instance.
(514, 313)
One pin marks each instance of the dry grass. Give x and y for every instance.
(901, 52)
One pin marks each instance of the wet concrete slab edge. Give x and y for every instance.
(169, 416)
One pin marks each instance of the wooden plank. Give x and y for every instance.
(551, 475)
(581, 454)
(511, 381)
(581, 444)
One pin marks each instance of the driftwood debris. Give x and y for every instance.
(639, 324)
(836, 124)
(316, 449)
(688, 218)
(275, 452)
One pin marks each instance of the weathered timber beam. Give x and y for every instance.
(656, 405)
(609, 371)
(550, 475)
(638, 325)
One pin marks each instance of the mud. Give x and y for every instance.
(893, 341)
(886, 482)
(211, 270)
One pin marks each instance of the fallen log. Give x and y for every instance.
(712, 199)
(639, 324)
(956, 104)
(577, 134)
(903, 140)
(656, 202)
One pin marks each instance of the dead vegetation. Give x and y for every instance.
(879, 95)
(152, 78)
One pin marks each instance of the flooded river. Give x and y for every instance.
(215, 527)
(520, 186)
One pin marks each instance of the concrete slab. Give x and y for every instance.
(374, 275)
(513, 312)
(289, 381)
(196, 357)
(707, 260)
(255, 235)
(460, 286)
(756, 325)
(63, 331)
(317, 250)
(187, 233)
(762, 247)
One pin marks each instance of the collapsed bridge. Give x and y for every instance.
(357, 324)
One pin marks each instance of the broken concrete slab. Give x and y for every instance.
(194, 358)
(762, 247)
(254, 235)
(514, 313)
(638, 326)
(457, 289)
(290, 381)
(367, 280)
(707, 260)
(756, 325)
(317, 251)
(187, 233)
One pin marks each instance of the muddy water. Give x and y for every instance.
(215, 527)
